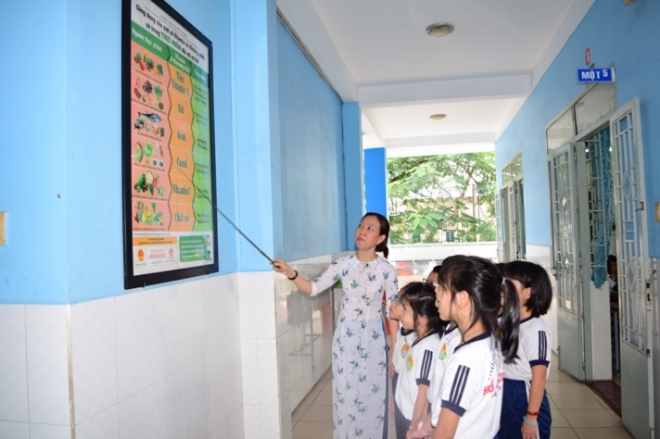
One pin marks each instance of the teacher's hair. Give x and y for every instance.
(384, 230)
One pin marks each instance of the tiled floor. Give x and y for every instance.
(577, 413)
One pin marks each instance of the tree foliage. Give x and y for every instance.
(430, 195)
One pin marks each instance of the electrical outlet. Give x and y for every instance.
(3, 216)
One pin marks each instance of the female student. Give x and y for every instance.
(525, 408)
(471, 389)
(419, 315)
(404, 339)
(451, 337)
(359, 346)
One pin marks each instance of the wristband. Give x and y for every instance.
(533, 424)
(294, 276)
(531, 413)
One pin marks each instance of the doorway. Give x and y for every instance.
(597, 197)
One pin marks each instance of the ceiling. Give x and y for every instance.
(377, 52)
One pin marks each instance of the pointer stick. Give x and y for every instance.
(228, 220)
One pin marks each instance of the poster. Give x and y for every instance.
(169, 214)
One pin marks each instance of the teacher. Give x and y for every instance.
(359, 345)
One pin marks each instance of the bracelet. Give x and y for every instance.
(533, 424)
(530, 413)
(294, 276)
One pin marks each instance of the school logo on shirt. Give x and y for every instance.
(442, 354)
(409, 363)
(404, 350)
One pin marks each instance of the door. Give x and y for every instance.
(633, 268)
(516, 221)
(566, 261)
(501, 226)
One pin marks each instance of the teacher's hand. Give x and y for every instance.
(282, 267)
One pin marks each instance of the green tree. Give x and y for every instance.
(431, 194)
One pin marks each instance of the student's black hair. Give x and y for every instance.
(384, 230)
(531, 275)
(484, 284)
(436, 269)
(420, 296)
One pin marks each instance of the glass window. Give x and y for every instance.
(598, 102)
(561, 131)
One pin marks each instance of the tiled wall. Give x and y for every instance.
(285, 346)
(160, 363)
(304, 328)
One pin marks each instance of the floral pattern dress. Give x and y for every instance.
(359, 346)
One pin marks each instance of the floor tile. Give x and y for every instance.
(561, 376)
(579, 401)
(299, 412)
(558, 419)
(318, 413)
(311, 396)
(602, 433)
(312, 430)
(563, 433)
(592, 418)
(567, 388)
(324, 398)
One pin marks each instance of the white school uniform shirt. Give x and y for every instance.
(417, 370)
(472, 387)
(404, 340)
(533, 350)
(450, 339)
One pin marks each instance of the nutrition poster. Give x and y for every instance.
(170, 222)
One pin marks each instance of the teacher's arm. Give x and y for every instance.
(300, 282)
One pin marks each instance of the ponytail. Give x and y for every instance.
(382, 247)
(510, 321)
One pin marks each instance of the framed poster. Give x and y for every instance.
(170, 226)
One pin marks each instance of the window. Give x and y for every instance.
(511, 213)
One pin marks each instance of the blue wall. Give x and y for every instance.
(62, 155)
(375, 180)
(626, 35)
(312, 162)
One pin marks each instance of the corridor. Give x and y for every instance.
(577, 413)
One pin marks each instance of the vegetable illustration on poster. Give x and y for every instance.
(170, 223)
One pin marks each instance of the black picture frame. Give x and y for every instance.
(167, 28)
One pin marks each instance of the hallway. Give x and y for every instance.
(577, 413)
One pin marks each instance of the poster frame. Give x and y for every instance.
(132, 280)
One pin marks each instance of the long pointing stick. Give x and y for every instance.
(228, 220)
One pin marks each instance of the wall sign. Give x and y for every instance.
(596, 75)
(170, 225)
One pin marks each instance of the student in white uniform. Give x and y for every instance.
(404, 339)
(450, 338)
(420, 315)
(471, 389)
(525, 409)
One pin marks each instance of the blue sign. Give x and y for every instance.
(596, 75)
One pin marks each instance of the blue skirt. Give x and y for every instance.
(514, 407)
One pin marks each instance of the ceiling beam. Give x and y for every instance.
(447, 139)
(445, 90)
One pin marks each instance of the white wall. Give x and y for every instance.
(158, 363)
